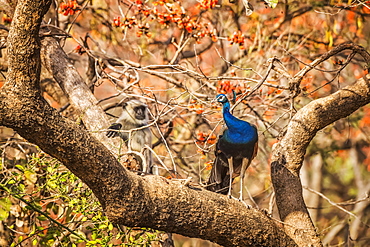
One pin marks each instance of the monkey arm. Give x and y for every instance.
(114, 126)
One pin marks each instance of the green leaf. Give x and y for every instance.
(20, 167)
(5, 204)
(102, 226)
(31, 176)
(21, 187)
(93, 236)
(272, 3)
(50, 169)
(40, 228)
(11, 181)
(42, 218)
(110, 227)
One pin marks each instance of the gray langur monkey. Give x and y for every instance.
(135, 115)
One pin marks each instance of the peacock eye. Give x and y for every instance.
(221, 98)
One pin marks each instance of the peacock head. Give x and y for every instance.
(222, 98)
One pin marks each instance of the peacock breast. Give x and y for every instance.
(237, 146)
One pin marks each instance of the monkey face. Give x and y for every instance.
(134, 112)
(140, 112)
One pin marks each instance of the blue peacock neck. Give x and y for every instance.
(239, 131)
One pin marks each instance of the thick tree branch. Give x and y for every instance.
(288, 155)
(80, 96)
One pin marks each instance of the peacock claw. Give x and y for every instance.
(247, 205)
(232, 197)
(238, 199)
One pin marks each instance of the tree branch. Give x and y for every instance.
(80, 96)
(288, 155)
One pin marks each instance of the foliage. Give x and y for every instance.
(44, 204)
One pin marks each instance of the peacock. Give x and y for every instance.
(235, 149)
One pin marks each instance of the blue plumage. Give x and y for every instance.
(235, 149)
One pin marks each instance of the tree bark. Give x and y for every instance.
(289, 152)
(80, 96)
